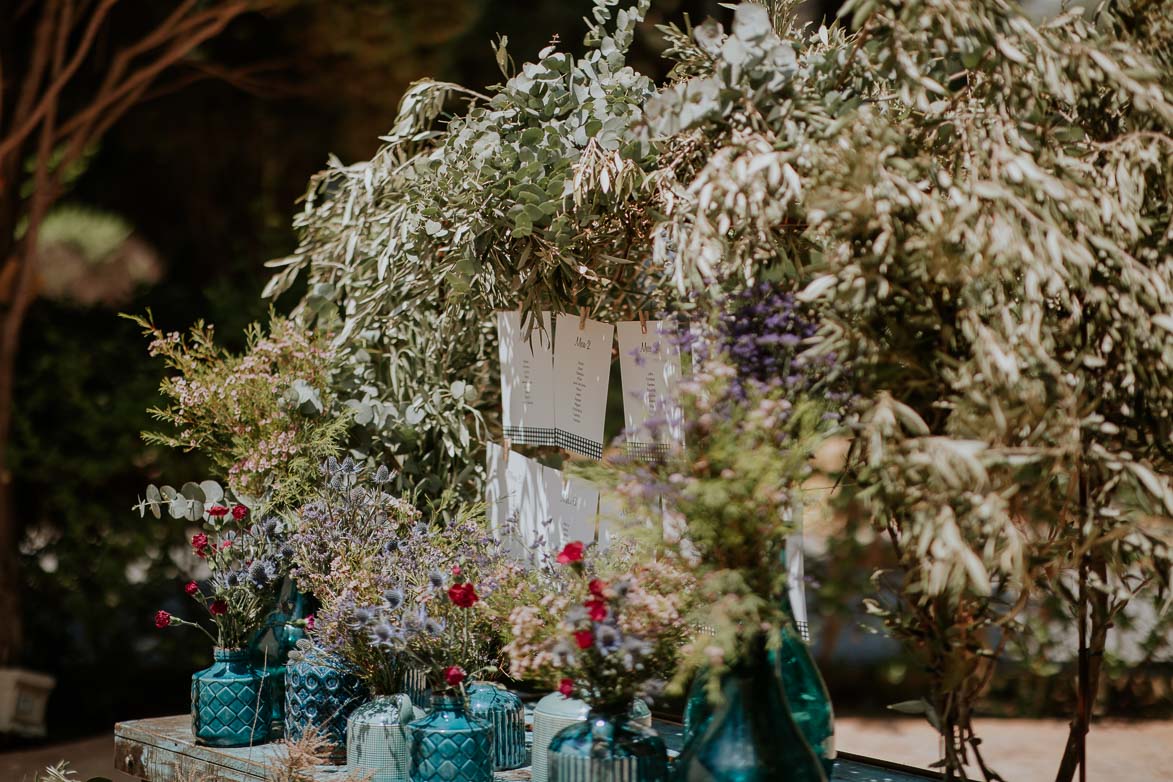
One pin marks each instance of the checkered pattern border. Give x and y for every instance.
(532, 435)
(581, 445)
(804, 629)
(648, 452)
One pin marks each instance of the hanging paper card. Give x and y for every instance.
(503, 516)
(649, 366)
(615, 519)
(574, 503)
(795, 580)
(582, 368)
(527, 380)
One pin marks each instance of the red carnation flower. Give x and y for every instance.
(226, 544)
(191, 588)
(566, 687)
(454, 675)
(571, 552)
(309, 622)
(162, 619)
(456, 570)
(218, 607)
(597, 586)
(584, 638)
(218, 510)
(463, 595)
(597, 609)
(239, 512)
(199, 542)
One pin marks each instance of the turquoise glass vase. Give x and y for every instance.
(751, 736)
(272, 644)
(321, 690)
(506, 713)
(230, 701)
(807, 696)
(451, 745)
(609, 745)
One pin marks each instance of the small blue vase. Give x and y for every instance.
(321, 690)
(451, 745)
(609, 745)
(506, 713)
(230, 702)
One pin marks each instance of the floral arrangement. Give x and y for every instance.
(264, 417)
(756, 406)
(394, 589)
(247, 562)
(604, 640)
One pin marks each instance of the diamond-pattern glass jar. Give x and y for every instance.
(230, 701)
(506, 713)
(322, 690)
(451, 745)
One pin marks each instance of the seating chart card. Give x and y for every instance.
(795, 584)
(516, 499)
(582, 368)
(649, 366)
(527, 380)
(574, 504)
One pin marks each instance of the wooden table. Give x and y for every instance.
(163, 750)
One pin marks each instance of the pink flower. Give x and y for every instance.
(566, 687)
(239, 512)
(584, 638)
(456, 570)
(309, 622)
(571, 552)
(162, 619)
(191, 588)
(454, 675)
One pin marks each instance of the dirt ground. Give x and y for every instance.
(1020, 750)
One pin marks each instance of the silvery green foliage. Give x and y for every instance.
(190, 502)
(524, 200)
(983, 207)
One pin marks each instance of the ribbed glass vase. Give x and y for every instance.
(506, 713)
(230, 701)
(377, 744)
(608, 747)
(451, 745)
(553, 713)
(751, 736)
(321, 690)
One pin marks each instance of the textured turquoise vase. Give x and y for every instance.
(555, 712)
(751, 736)
(321, 690)
(230, 702)
(506, 713)
(451, 745)
(377, 745)
(609, 746)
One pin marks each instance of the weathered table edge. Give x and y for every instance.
(150, 749)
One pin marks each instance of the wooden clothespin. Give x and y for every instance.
(582, 317)
(643, 321)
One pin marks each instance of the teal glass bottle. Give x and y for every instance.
(272, 644)
(451, 745)
(230, 701)
(751, 736)
(609, 745)
(506, 713)
(807, 696)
